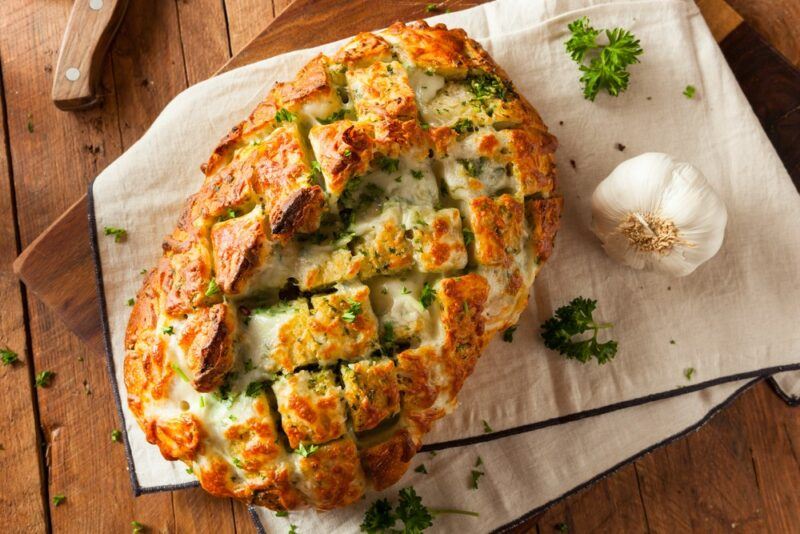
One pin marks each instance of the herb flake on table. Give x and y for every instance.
(136, 527)
(508, 334)
(8, 356)
(689, 373)
(608, 63)
(689, 91)
(58, 499)
(475, 474)
(421, 469)
(119, 233)
(486, 428)
(116, 436)
(44, 379)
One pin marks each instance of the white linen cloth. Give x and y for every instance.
(732, 319)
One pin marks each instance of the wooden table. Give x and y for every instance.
(740, 471)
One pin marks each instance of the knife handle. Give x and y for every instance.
(90, 29)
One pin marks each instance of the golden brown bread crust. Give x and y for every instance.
(357, 241)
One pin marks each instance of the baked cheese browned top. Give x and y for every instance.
(357, 241)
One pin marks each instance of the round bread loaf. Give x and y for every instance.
(356, 243)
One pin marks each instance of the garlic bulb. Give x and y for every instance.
(655, 213)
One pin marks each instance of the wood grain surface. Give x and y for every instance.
(740, 471)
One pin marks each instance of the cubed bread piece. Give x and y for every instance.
(382, 91)
(253, 441)
(283, 178)
(343, 325)
(207, 341)
(363, 50)
(332, 474)
(326, 265)
(437, 239)
(240, 248)
(382, 243)
(343, 150)
(498, 227)
(311, 407)
(370, 389)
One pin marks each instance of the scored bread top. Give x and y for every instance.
(357, 241)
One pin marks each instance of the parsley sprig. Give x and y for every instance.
(304, 451)
(415, 516)
(560, 331)
(607, 68)
(8, 356)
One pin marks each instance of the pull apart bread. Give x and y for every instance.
(356, 243)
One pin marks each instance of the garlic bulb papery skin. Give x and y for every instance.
(658, 214)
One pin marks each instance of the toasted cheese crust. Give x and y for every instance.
(356, 243)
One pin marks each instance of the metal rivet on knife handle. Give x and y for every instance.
(90, 29)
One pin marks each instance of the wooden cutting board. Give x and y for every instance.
(58, 267)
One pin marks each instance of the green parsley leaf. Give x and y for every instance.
(378, 518)
(689, 91)
(292, 529)
(355, 310)
(416, 517)
(388, 338)
(254, 389)
(316, 168)
(421, 469)
(213, 288)
(131, 302)
(475, 474)
(486, 428)
(116, 436)
(469, 236)
(463, 126)
(508, 334)
(136, 527)
(428, 295)
(30, 123)
(169, 330)
(237, 462)
(8, 356)
(333, 117)
(433, 8)
(479, 462)
(143, 271)
(688, 373)
(410, 510)
(388, 164)
(572, 320)
(473, 167)
(607, 63)
(347, 152)
(119, 233)
(189, 471)
(488, 86)
(304, 451)
(417, 175)
(44, 379)
(284, 115)
(282, 513)
(59, 499)
(179, 372)
(562, 527)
